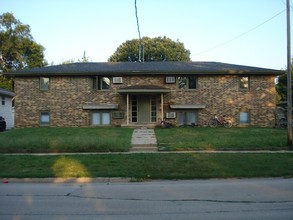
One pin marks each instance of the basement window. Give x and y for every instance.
(101, 118)
(45, 118)
(244, 118)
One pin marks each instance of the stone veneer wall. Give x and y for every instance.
(222, 95)
(67, 95)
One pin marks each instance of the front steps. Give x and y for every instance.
(140, 125)
(143, 140)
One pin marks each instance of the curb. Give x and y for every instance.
(68, 180)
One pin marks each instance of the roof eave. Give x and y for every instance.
(133, 73)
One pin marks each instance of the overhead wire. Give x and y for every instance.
(240, 35)
(141, 50)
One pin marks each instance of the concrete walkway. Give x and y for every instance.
(143, 139)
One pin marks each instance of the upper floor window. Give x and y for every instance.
(44, 83)
(244, 82)
(187, 82)
(101, 83)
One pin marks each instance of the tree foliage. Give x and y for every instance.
(155, 49)
(281, 86)
(18, 49)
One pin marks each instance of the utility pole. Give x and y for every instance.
(289, 87)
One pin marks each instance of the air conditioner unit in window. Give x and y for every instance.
(117, 80)
(170, 114)
(170, 79)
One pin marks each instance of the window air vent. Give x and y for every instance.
(170, 79)
(117, 80)
(171, 115)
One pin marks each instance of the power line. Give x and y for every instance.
(240, 35)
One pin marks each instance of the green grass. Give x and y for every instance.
(249, 138)
(150, 166)
(116, 139)
(48, 140)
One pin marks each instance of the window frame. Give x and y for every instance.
(185, 116)
(247, 116)
(98, 83)
(46, 123)
(101, 118)
(44, 86)
(187, 85)
(244, 85)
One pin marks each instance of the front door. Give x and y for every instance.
(143, 108)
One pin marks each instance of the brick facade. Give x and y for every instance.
(67, 95)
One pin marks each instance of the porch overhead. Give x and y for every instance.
(188, 106)
(143, 90)
(100, 106)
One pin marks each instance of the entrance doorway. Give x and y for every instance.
(143, 108)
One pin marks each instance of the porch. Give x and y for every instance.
(144, 105)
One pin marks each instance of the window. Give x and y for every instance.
(134, 108)
(44, 83)
(244, 118)
(185, 82)
(101, 83)
(153, 109)
(45, 119)
(187, 118)
(191, 82)
(3, 100)
(244, 82)
(182, 82)
(100, 118)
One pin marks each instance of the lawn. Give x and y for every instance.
(117, 139)
(52, 140)
(249, 138)
(149, 166)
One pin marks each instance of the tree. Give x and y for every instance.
(18, 49)
(281, 86)
(155, 49)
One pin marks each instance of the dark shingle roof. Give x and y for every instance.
(6, 92)
(136, 68)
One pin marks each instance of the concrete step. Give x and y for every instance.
(144, 140)
(142, 148)
(140, 126)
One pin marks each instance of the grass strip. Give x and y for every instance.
(58, 140)
(249, 138)
(149, 166)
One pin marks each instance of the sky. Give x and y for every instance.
(245, 32)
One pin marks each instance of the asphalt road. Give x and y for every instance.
(191, 199)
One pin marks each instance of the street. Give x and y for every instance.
(258, 198)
